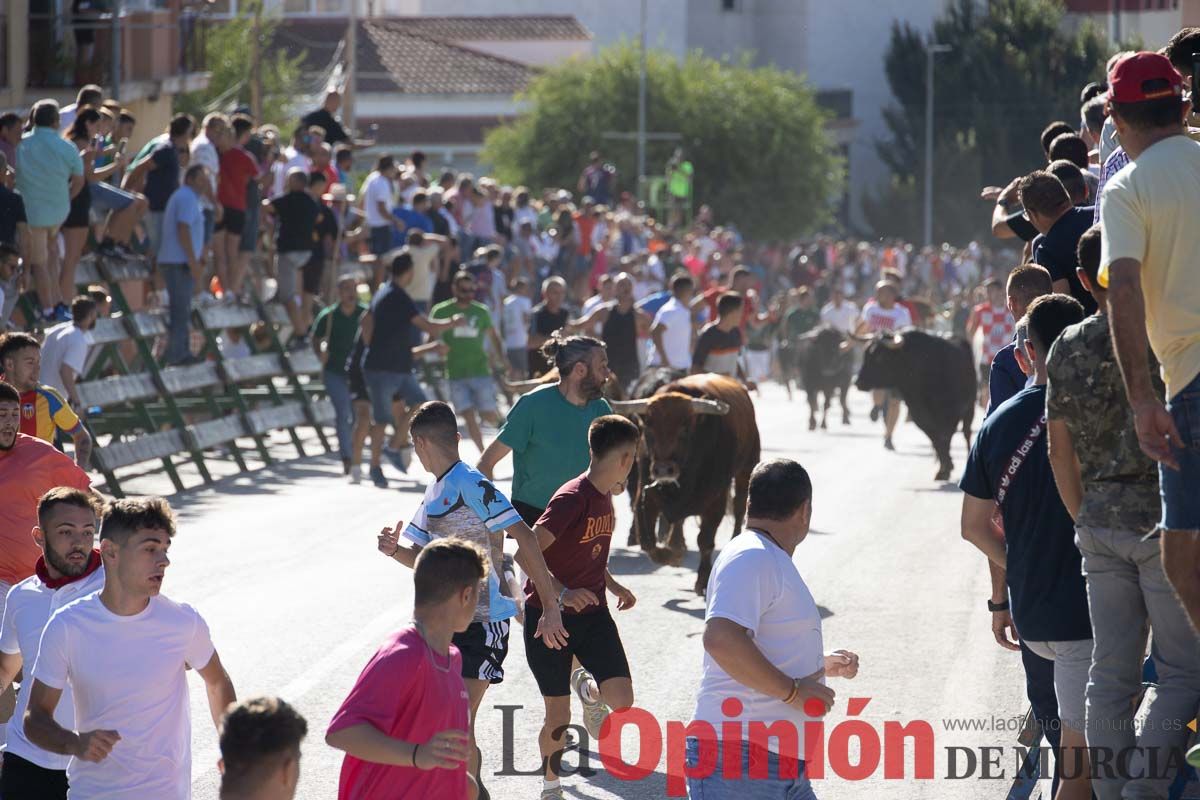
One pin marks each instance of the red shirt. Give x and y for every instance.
(404, 692)
(713, 295)
(581, 519)
(27, 471)
(237, 169)
(584, 224)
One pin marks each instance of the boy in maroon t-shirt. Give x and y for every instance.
(575, 532)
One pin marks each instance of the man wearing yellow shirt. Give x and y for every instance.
(1150, 262)
(44, 412)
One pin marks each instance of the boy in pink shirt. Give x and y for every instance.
(404, 724)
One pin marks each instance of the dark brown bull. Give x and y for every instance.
(693, 451)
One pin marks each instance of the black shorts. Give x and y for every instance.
(233, 221)
(311, 274)
(358, 386)
(528, 513)
(81, 208)
(23, 780)
(592, 638)
(483, 647)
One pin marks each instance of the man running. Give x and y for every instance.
(762, 643)
(671, 332)
(719, 345)
(124, 653)
(67, 570)
(333, 335)
(260, 750)
(575, 533)
(44, 412)
(462, 503)
(472, 387)
(883, 314)
(404, 724)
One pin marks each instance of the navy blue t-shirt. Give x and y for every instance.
(12, 212)
(163, 180)
(1005, 378)
(392, 338)
(1044, 569)
(1056, 251)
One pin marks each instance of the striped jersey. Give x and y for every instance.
(43, 411)
(463, 503)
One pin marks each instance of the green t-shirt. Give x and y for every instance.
(800, 321)
(548, 437)
(467, 358)
(341, 338)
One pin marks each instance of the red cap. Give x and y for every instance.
(1143, 76)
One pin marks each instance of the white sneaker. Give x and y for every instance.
(356, 474)
(594, 712)
(553, 793)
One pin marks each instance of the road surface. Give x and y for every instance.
(282, 563)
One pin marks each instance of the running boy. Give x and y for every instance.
(575, 533)
(462, 503)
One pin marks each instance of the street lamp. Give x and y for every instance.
(931, 51)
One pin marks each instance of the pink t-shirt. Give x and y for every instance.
(404, 693)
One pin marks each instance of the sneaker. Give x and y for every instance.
(355, 473)
(875, 412)
(553, 793)
(594, 713)
(887, 444)
(377, 477)
(206, 299)
(398, 457)
(60, 313)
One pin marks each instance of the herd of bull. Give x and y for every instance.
(701, 436)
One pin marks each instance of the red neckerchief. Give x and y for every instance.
(57, 583)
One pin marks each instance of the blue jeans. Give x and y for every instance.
(337, 387)
(772, 787)
(1180, 500)
(178, 279)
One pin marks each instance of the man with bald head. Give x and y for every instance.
(324, 117)
(620, 325)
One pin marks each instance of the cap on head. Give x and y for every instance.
(1142, 77)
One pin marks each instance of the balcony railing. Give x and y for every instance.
(156, 43)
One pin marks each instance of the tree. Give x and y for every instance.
(1013, 68)
(230, 52)
(755, 136)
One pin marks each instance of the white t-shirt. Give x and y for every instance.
(424, 271)
(755, 584)
(677, 338)
(521, 216)
(844, 318)
(30, 605)
(879, 318)
(65, 344)
(294, 161)
(377, 189)
(134, 684)
(205, 152)
(514, 320)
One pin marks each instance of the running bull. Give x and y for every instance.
(825, 362)
(700, 436)
(934, 375)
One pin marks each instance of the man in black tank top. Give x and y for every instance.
(621, 323)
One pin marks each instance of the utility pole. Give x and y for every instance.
(115, 67)
(930, 52)
(350, 97)
(641, 121)
(256, 64)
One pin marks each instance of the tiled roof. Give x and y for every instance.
(416, 55)
(500, 28)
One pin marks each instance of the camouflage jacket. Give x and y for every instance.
(1120, 483)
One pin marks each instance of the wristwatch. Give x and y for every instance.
(997, 606)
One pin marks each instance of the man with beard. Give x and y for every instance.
(68, 569)
(124, 652)
(44, 412)
(547, 428)
(29, 468)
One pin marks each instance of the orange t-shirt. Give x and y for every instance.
(27, 471)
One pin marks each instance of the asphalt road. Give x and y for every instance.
(282, 563)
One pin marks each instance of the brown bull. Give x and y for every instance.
(693, 451)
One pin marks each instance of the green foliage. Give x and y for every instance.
(1013, 69)
(229, 54)
(755, 136)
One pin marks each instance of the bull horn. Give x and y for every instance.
(702, 405)
(893, 342)
(628, 408)
(860, 338)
